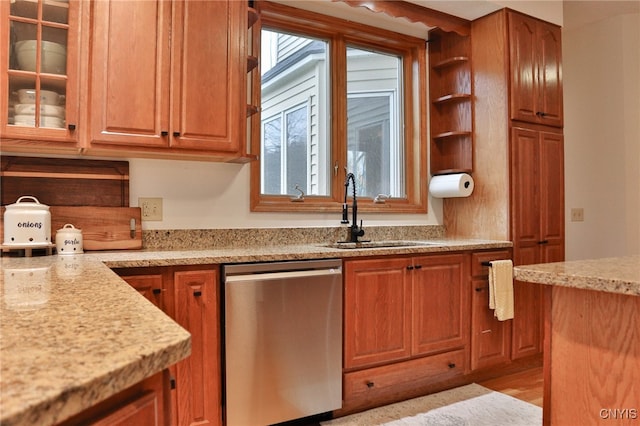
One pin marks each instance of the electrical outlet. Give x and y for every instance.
(577, 215)
(151, 208)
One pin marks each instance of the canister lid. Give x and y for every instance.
(20, 204)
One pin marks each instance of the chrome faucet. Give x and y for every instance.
(355, 231)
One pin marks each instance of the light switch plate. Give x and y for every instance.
(577, 214)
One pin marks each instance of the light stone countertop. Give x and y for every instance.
(613, 275)
(145, 258)
(73, 333)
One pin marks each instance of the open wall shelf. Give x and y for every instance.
(451, 142)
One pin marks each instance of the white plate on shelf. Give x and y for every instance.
(30, 120)
(47, 97)
(45, 110)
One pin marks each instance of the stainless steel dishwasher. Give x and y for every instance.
(283, 340)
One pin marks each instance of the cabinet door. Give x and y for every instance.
(209, 75)
(129, 72)
(144, 403)
(377, 315)
(536, 71)
(198, 395)
(440, 303)
(549, 81)
(524, 68)
(39, 75)
(552, 225)
(525, 196)
(150, 286)
(490, 338)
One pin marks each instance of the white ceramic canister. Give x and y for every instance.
(27, 222)
(69, 240)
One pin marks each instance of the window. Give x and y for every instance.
(338, 97)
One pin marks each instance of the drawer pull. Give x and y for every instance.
(409, 268)
(451, 365)
(418, 266)
(176, 134)
(71, 127)
(164, 133)
(479, 289)
(197, 293)
(370, 384)
(156, 291)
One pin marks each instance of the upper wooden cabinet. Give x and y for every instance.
(39, 75)
(536, 71)
(168, 77)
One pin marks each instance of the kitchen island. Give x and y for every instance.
(592, 344)
(73, 334)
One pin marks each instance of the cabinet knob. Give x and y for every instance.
(71, 127)
(176, 134)
(156, 291)
(418, 266)
(451, 365)
(197, 293)
(410, 268)
(164, 133)
(370, 384)
(479, 289)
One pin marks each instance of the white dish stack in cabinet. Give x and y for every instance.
(40, 75)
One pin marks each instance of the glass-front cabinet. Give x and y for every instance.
(39, 71)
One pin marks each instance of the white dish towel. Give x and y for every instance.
(501, 289)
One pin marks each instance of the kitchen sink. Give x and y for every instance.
(377, 244)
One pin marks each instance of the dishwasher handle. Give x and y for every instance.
(267, 276)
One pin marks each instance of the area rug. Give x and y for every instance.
(470, 405)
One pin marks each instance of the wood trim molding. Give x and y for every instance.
(415, 13)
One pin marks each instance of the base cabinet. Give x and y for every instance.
(490, 338)
(189, 295)
(406, 327)
(144, 404)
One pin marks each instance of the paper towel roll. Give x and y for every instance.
(450, 186)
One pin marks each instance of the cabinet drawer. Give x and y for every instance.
(382, 384)
(477, 259)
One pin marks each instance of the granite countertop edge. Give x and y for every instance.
(619, 275)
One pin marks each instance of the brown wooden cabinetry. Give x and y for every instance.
(490, 338)
(538, 222)
(406, 326)
(518, 159)
(179, 88)
(535, 63)
(144, 404)
(48, 117)
(451, 103)
(198, 388)
(190, 296)
(377, 319)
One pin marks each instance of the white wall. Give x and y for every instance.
(198, 195)
(601, 74)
